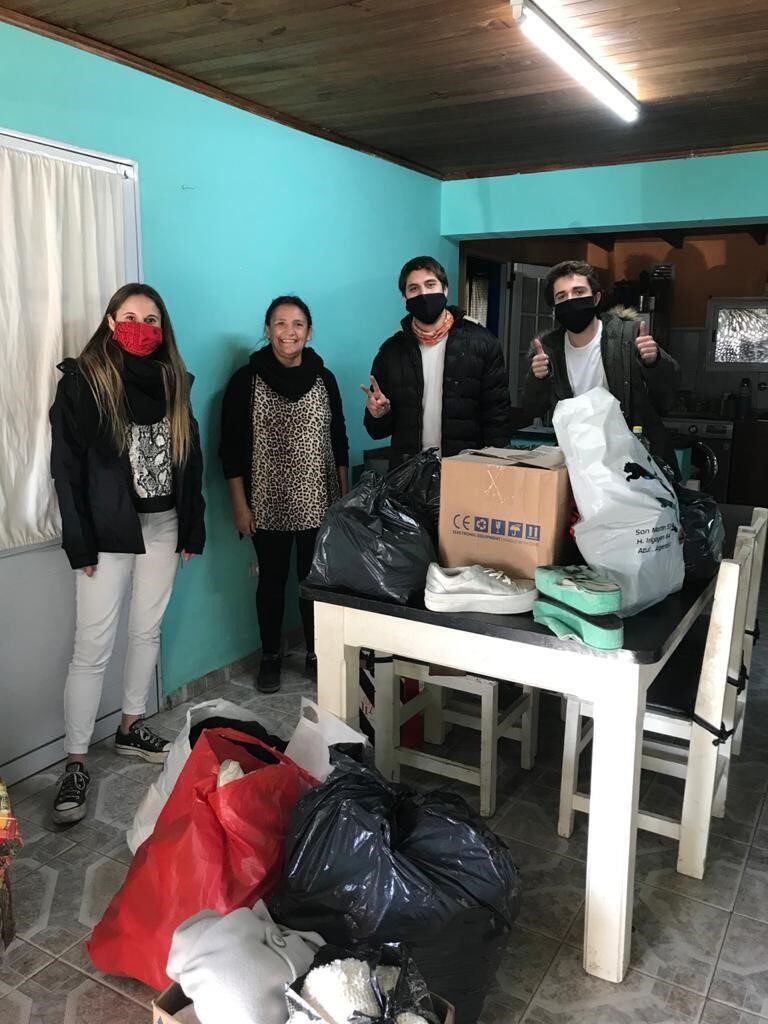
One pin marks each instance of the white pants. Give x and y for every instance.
(99, 600)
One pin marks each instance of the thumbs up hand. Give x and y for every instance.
(647, 348)
(540, 361)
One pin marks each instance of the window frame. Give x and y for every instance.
(127, 169)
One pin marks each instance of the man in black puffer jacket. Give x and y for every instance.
(440, 382)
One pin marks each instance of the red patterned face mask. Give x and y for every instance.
(137, 338)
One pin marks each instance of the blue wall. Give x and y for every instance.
(235, 209)
(700, 190)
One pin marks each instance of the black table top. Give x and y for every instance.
(647, 636)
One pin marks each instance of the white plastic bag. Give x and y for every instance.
(316, 732)
(146, 816)
(630, 520)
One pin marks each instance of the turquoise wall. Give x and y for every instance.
(234, 209)
(700, 190)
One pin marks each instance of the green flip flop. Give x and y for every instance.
(579, 587)
(604, 633)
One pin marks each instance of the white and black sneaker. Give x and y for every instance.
(141, 741)
(69, 805)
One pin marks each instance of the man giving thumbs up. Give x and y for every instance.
(611, 351)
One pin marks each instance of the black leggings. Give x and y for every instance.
(273, 549)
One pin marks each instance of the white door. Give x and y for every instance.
(529, 316)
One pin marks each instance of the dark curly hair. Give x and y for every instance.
(422, 263)
(570, 268)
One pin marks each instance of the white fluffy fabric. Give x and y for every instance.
(340, 989)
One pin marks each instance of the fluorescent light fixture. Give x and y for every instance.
(566, 52)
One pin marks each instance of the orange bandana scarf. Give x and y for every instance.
(437, 333)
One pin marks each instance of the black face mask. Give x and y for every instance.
(428, 307)
(576, 314)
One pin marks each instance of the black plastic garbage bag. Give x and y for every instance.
(369, 862)
(372, 542)
(703, 533)
(417, 481)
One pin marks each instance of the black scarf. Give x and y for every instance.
(143, 383)
(292, 382)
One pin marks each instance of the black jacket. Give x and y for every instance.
(476, 409)
(236, 446)
(645, 392)
(94, 483)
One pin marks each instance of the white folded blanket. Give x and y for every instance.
(235, 967)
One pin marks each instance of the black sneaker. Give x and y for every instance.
(310, 665)
(269, 673)
(69, 805)
(141, 741)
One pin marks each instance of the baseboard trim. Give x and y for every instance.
(197, 688)
(52, 753)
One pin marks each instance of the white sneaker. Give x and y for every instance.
(477, 589)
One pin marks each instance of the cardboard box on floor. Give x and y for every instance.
(169, 1003)
(497, 512)
(173, 1000)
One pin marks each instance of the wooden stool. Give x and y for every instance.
(520, 722)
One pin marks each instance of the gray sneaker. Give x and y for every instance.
(475, 588)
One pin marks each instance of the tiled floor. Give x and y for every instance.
(700, 949)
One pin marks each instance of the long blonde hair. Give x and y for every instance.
(101, 362)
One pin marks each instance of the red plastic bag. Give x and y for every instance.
(212, 849)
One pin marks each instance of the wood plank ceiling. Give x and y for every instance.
(452, 86)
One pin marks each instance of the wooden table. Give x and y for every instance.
(514, 648)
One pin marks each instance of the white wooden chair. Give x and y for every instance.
(759, 525)
(440, 710)
(746, 539)
(688, 704)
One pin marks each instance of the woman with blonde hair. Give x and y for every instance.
(127, 467)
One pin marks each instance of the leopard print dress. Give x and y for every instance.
(294, 477)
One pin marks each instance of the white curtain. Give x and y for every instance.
(478, 300)
(61, 258)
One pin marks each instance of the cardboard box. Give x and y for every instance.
(173, 999)
(504, 508)
(168, 1004)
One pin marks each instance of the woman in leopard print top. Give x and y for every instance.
(285, 455)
